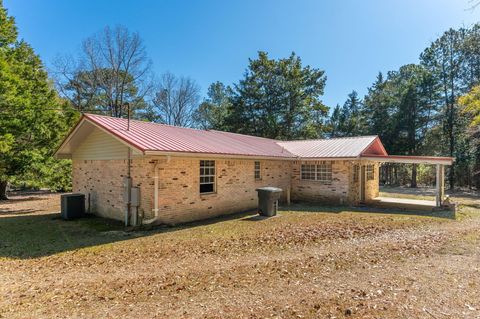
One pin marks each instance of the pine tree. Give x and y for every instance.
(279, 99)
(336, 122)
(213, 112)
(30, 124)
(444, 60)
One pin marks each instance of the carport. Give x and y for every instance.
(439, 162)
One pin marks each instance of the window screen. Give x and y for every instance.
(207, 176)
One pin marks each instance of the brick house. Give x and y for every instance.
(183, 174)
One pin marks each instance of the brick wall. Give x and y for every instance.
(334, 192)
(371, 187)
(179, 196)
(103, 181)
(180, 199)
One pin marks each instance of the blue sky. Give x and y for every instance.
(211, 40)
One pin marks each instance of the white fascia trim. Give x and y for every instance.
(408, 161)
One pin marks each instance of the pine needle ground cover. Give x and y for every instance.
(310, 261)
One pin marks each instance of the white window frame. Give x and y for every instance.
(257, 170)
(324, 172)
(207, 173)
(308, 172)
(321, 172)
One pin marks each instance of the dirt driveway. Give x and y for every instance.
(310, 262)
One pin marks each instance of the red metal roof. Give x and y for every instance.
(345, 147)
(152, 137)
(147, 136)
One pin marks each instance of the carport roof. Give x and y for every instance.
(407, 159)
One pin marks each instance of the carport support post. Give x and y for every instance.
(440, 185)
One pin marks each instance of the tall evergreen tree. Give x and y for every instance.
(348, 120)
(351, 110)
(279, 99)
(444, 60)
(377, 110)
(30, 123)
(336, 122)
(416, 110)
(402, 109)
(213, 112)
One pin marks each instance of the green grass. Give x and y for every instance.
(27, 236)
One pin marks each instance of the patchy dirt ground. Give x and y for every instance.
(310, 262)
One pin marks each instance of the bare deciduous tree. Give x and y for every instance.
(473, 4)
(176, 99)
(111, 70)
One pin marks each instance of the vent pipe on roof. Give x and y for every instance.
(128, 115)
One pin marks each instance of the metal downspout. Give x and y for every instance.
(155, 197)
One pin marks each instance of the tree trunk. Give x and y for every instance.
(3, 190)
(413, 182)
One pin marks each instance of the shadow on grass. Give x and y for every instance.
(18, 211)
(37, 235)
(24, 199)
(205, 222)
(472, 205)
(257, 218)
(315, 208)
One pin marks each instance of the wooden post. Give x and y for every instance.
(440, 184)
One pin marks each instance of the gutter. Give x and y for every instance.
(406, 159)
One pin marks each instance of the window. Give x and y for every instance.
(207, 176)
(257, 171)
(370, 172)
(324, 172)
(356, 172)
(308, 172)
(321, 172)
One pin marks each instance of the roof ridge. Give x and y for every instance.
(148, 122)
(233, 133)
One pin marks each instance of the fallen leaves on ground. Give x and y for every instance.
(298, 265)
